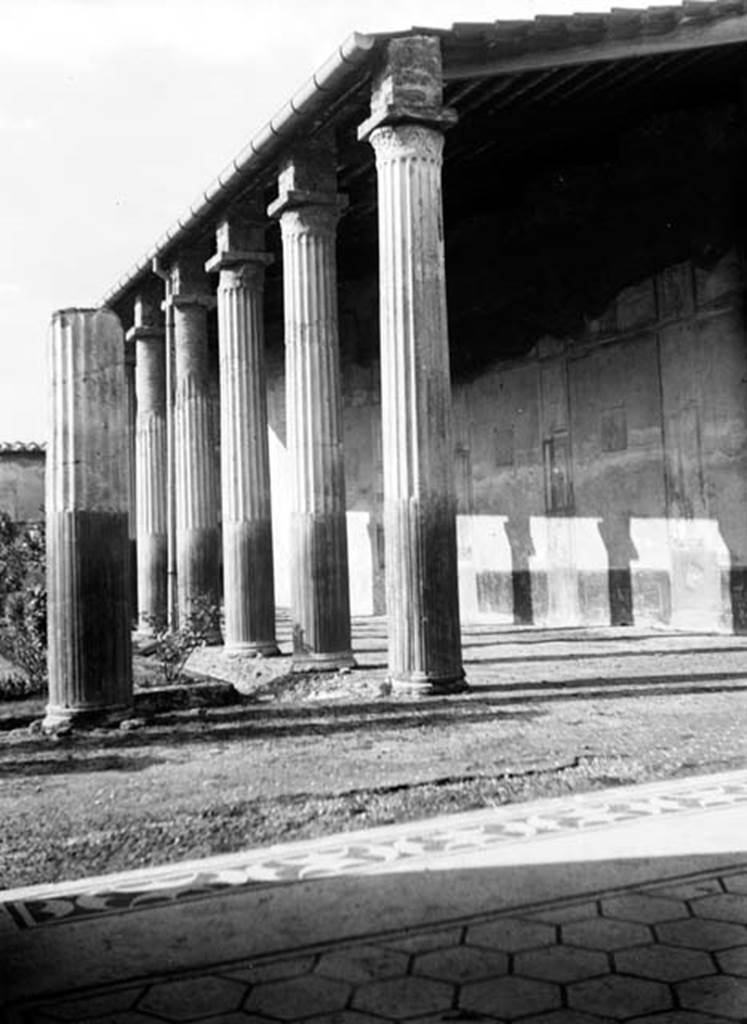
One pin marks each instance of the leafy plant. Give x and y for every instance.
(23, 606)
(172, 647)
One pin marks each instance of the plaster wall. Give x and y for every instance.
(22, 485)
(600, 479)
(615, 487)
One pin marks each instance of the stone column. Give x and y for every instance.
(131, 413)
(195, 485)
(172, 604)
(406, 131)
(308, 208)
(88, 571)
(249, 589)
(147, 336)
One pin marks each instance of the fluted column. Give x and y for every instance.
(406, 132)
(309, 208)
(131, 414)
(88, 571)
(150, 467)
(249, 589)
(196, 484)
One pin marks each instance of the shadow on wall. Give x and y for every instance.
(556, 570)
(568, 570)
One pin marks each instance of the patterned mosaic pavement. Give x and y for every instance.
(654, 955)
(375, 850)
(670, 951)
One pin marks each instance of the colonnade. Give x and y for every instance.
(183, 514)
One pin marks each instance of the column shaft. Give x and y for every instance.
(196, 486)
(151, 480)
(419, 499)
(88, 555)
(245, 463)
(131, 406)
(319, 554)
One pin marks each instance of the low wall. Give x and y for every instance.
(22, 481)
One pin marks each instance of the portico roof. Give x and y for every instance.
(511, 74)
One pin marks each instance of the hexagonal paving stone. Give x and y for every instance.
(618, 997)
(288, 999)
(511, 935)
(679, 1017)
(234, 1018)
(125, 1017)
(449, 1017)
(664, 963)
(560, 963)
(461, 963)
(604, 933)
(699, 933)
(644, 909)
(509, 997)
(689, 890)
(404, 997)
(274, 969)
(733, 961)
(720, 994)
(735, 883)
(343, 1017)
(425, 941)
(564, 915)
(722, 907)
(192, 998)
(564, 1017)
(362, 963)
(108, 1003)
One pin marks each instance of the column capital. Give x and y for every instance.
(183, 300)
(232, 259)
(307, 179)
(145, 333)
(298, 199)
(240, 239)
(391, 142)
(187, 283)
(146, 308)
(395, 115)
(408, 88)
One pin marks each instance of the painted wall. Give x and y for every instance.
(609, 475)
(22, 484)
(599, 480)
(598, 364)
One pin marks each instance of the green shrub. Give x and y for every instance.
(172, 647)
(23, 607)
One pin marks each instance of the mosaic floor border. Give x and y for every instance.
(553, 915)
(370, 851)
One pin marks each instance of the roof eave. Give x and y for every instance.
(692, 35)
(330, 79)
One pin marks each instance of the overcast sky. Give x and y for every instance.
(114, 114)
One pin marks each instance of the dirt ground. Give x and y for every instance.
(549, 712)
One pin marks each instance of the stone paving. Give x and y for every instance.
(676, 952)
(373, 850)
(656, 950)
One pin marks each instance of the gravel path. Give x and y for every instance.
(549, 712)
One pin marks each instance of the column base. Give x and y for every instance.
(419, 682)
(308, 661)
(143, 634)
(267, 648)
(57, 717)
